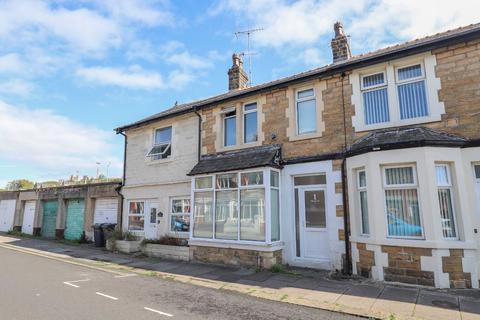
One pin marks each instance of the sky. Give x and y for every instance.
(72, 71)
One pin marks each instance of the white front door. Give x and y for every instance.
(151, 220)
(7, 214)
(28, 217)
(313, 223)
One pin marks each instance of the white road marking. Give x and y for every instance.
(106, 296)
(70, 283)
(159, 312)
(126, 275)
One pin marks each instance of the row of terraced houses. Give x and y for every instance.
(369, 165)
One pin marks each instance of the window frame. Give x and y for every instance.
(415, 186)
(361, 189)
(172, 214)
(136, 215)
(154, 145)
(225, 117)
(450, 187)
(297, 100)
(377, 86)
(244, 113)
(421, 77)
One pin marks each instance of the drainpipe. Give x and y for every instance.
(199, 133)
(346, 217)
(124, 177)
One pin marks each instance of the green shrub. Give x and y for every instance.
(166, 240)
(118, 235)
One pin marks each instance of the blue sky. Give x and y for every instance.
(72, 71)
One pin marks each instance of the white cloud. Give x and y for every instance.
(16, 87)
(132, 78)
(186, 60)
(48, 141)
(11, 63)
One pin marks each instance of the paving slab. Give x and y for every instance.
(437, 306)
(396, 301)
(469, 308)
(285, 277)
(192, 269)
(259, 276)
(360, 298)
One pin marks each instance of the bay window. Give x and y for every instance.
(244, 206)
(445, 200)
(401, 202)
(363, 204)
(136, 215)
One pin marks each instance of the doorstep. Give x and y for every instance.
(297, 286)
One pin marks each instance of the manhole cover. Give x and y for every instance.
(444, 304)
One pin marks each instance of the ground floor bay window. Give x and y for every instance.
(237, 206)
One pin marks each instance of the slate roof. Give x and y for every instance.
(404, 138)
(239, 160)
(466, 33)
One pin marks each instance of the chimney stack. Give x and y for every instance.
(340, 46)
(237, 77)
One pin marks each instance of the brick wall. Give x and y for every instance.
(454, 267)
(366, 260)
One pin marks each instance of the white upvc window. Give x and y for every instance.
(375, 98)
(362, 201)
(250, 123)
(306, 111)
(162, 144)
(136, 215)
(445, 200)
(476, 169)
(411, 91)
(402, 207)
(237, 206)
(180, 214)
(229, 126)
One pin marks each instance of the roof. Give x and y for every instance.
(404, 138)
(239, 160)
(449, 37)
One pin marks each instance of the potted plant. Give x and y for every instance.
(125, 242)
(167, 247)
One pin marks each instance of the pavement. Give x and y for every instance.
(315, 289)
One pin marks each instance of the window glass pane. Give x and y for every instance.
(250, 127)
(274, 179)
(477, 171)
(153, 215)
(180, 223)
(203, 215)
(307, 180)
(251, 106)
(315, 209)
(412, 98)
(180, 205)
(203, 183)
(446, 213)
(135, 223)
(227, 181)
(403, 213)
(161, 151)
(364, 212)
(399, 176)
(230, 129)
(275, 214)
(163, 135)
(362, 179)
(252, 178)
(307, 116)
(373, 80)
(226, 222)
(136, 208)
(442, 175)
(305, 94)
(375, 104)
(252, 214)
(409, 72)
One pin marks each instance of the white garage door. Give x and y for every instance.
(7, 213)
(105, 210)
(28, 217)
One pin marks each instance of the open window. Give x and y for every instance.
(162, 146)
(229, 126)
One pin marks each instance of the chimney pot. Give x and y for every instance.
(237, 77)
(340, 46)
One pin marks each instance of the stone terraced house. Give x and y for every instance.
(370, 164)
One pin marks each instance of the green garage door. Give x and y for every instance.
(75, 219)
(49, 224)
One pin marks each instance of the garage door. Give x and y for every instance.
(105, 210)
(49, 223)
(7, 213)
(28, 217)
(75, 219)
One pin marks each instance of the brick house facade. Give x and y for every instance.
(387, 140)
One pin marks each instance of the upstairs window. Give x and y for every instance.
(477, 171)
(229, 127)
(306, 112)
(162, 145)
(412, 96)
(375, 98)
(445, 200)
(250, 123)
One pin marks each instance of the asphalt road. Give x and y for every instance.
(33, 287)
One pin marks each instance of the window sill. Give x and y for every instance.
(400, 123)
(240, 146)
(440, 244)
(154, 162)
(245, 245)
(305, 136)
